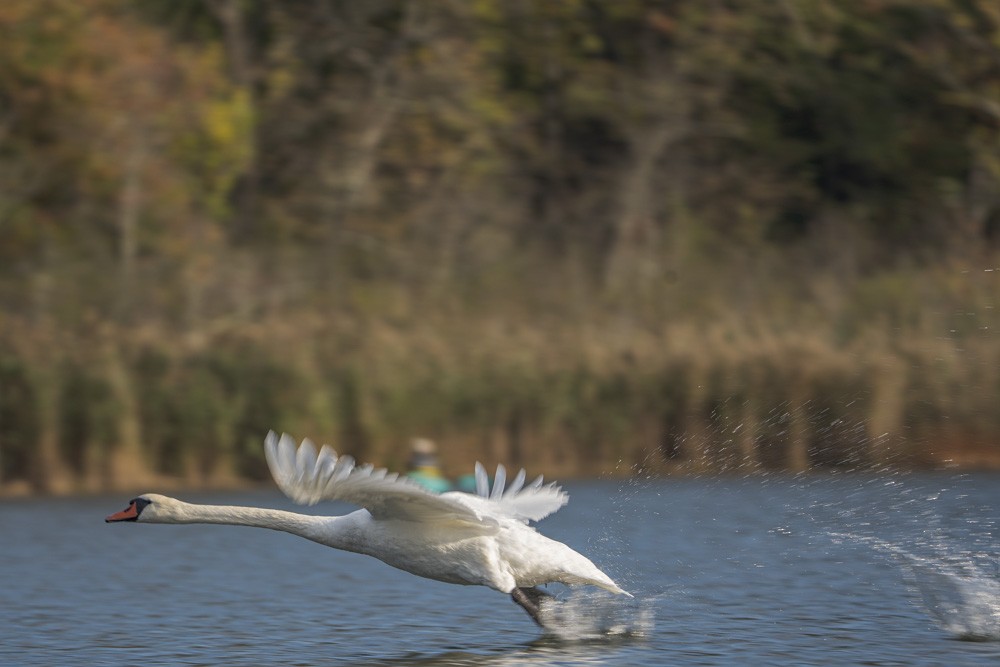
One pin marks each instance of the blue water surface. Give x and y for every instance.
(840, 569)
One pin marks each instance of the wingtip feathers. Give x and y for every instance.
(307, 475)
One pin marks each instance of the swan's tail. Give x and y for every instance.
(614, 588)
(601, 580)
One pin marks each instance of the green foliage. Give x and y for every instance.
(215, 148)
(19, 419)
(270, 397)
(353, 433)
(186, 413)
(150, 372)
(207, 413)
(88, 417)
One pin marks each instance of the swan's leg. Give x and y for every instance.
(531, 600)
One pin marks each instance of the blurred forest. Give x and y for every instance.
(580, 236)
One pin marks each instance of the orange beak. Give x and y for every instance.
(130, 513)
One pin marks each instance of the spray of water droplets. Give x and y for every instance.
(960, 590)
(589, 615)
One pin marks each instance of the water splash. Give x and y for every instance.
(589, 615)
(962, 600)
(960, 591)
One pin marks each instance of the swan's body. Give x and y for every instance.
(454, 537)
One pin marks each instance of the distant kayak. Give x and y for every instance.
(431, 479)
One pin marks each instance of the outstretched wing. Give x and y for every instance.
(530, 502)
(307, 477)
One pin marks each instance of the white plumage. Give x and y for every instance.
(481, 539)
(307, 477)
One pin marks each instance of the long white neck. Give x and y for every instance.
(339, 532)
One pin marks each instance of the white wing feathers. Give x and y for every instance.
(524, 503)
(482, 481)
(307, 477)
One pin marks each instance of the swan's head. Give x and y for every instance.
(149, 508)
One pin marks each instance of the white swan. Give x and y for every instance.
(454, 537)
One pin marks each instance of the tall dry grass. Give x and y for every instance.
(901, 370)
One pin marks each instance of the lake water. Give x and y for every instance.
(776, 570)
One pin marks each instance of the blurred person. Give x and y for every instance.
(424, 468)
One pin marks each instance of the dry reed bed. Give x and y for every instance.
(129, 407)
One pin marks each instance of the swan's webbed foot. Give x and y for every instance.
(530, 599)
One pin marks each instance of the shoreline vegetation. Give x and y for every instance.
(585, 238)
(568, 394)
